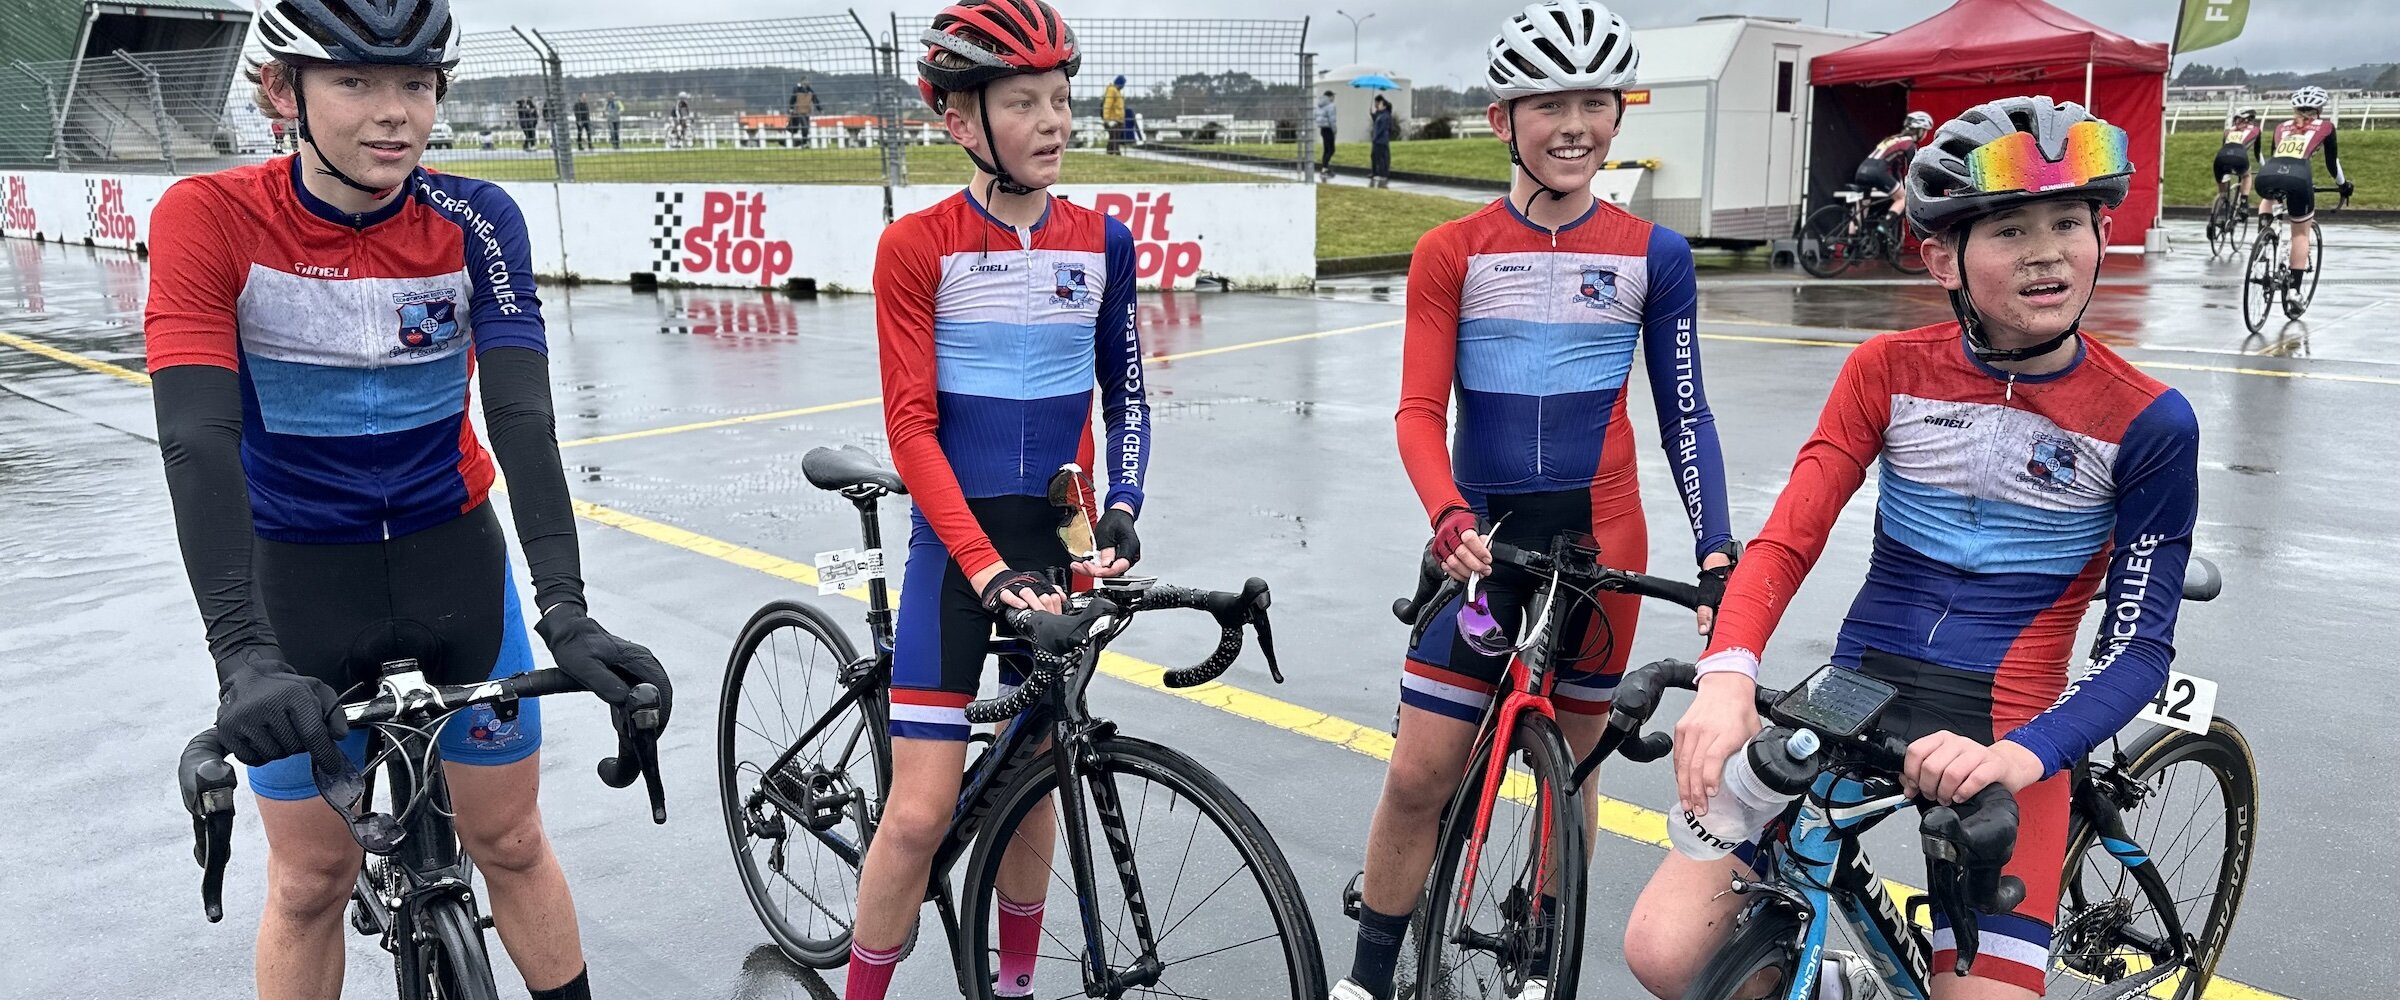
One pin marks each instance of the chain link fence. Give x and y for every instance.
(826, 99)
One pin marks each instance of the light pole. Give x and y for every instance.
(1354, 23)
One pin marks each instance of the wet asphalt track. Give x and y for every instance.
(1272, 460)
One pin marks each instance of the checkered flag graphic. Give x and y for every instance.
(91, 205)
(668, 218)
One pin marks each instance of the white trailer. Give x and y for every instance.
(1722, 106)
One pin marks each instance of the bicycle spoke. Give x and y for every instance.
(1212, 894)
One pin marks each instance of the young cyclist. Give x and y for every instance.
(2288, 177)
(2025, 470)
(314, 324)
(1529, 313)
(1881, 171)
(2241, 150)
(998, 311)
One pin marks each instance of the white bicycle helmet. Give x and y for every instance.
(1561, 45)
(1918, 119)
(2311, 97)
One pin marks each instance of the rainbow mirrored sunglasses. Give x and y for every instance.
(2014, 162)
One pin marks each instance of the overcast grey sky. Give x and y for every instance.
(1431, 40)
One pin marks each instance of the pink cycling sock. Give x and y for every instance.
(870, 973)
(1020, 935)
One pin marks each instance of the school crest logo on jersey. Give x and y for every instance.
(2052, 465)
(1599, 288)
(485, 730)
(1070, 285)
(428, 324)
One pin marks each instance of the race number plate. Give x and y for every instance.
(2186, 703)
(843, 569)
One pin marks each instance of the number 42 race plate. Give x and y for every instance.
(2186, 703)
(843, 569)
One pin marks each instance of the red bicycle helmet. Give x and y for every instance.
(996, 38)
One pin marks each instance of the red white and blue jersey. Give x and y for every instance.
(1536, 332)
(2003, 508)
(992, 342)
(354, 336)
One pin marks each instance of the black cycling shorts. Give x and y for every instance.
(2289, 178)
(2232, 161)
(1875, 175)
(943, 635)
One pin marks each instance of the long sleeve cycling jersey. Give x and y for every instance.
(1536, 333)
(2297, 140)
(992, 341)
(2004, 506)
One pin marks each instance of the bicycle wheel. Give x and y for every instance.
(2259, 280)
(2220, 223)
(1903, 248)
(799, 814)
(1760, 949)
(2195, 812)
(1223, 906)
(451, 961)
(1825, 243)
(1509, 908)
(2295, 301)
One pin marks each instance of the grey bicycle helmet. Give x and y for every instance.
(1941, 189)
(300, 33)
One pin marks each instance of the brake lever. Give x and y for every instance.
(1266, 635)
(638, 725)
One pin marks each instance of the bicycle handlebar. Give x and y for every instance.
(207, 782)
(1435, 588)
(1059, 640)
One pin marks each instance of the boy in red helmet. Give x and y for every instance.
(998, 312)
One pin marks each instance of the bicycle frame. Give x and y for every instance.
(428, 863)
(1529, 682)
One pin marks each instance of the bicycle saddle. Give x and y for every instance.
(846, 467)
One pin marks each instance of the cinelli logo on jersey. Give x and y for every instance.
(987, 267)
(1948, 420)
(1510, 268)
(308, 270)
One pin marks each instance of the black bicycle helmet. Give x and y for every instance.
(299, 33)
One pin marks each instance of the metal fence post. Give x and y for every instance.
(1304, 115)
(158, 107)
(554, 101)
(49, 96)
(889, 111)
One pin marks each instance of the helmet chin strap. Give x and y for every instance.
(1000, 177)
(1518, 160)
(324, 163)
(1963, 305)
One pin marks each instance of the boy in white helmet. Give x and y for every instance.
(1529, 312)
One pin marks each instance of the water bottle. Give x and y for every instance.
(1744, 803)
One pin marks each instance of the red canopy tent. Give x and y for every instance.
(1982, 50)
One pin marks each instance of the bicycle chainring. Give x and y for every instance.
(2087, 940)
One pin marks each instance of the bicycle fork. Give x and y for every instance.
(1075, 751)
(1494, 776)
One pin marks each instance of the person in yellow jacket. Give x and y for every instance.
(1112, 113)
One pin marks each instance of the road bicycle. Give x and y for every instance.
(2128, 923)
(1841, 236)
(1182, 893)
(415, 891)
(2269, 277)
(2228, 216)
(1502, 912)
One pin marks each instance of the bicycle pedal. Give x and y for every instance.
(1354, 896)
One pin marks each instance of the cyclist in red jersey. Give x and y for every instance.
(2024, 468)
(1527, 316)
(2287, 176)
(1881, 171)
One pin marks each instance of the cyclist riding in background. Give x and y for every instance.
(1530, 312)
(2025, 470)
(1881, 171)
(313, 327)
(2288, 177)
(2241, 150)
(998, 312)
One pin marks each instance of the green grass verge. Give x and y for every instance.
(1480, 159)
(2372, 159)
(926, 165)
(1360, 222)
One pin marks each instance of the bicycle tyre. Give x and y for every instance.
(2220, 224)
(452, 961)
(1824, 250)
(2296, 301)
(802, 939)
(2258, 280)
(1116, 756)
(1762, 941)
(2226, 754)
(1902, 247)
(1550, 765)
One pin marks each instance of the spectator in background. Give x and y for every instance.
(799, 119)
(583, 120)
(1325, 122)
(679, 130)
(549, 115)
(1112, 113)
(525, 120)
(616, 121)
(1380, 133)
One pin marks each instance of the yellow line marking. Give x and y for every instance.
(1624, 819)
(1275, 341)
(72, 358)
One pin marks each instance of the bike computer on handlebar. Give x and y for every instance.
(1835, 701)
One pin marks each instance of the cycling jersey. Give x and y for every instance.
(1536, 332)
(2242, 144)
(2300, 140)
(2005, 504)
(354, 337)
(991, 342)
(1886, 163)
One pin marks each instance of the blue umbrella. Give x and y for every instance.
(1375, 81)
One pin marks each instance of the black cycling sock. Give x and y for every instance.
(578, 988)
(1378, 951)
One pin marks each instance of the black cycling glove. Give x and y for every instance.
(267, 711)
(602, 663)
(1037, 584)
(1115, 531)
(1712, 581)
